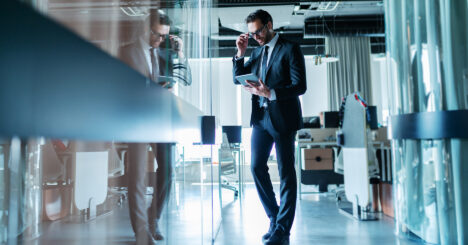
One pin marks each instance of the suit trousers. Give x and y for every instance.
(263, 137)
(140, 216)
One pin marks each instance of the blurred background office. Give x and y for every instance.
(381, 159)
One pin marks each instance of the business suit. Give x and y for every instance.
(141, 218)
(276, 123)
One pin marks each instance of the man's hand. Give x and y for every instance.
(241, 44)
(177, 44)
(167, 85)
(259, 88)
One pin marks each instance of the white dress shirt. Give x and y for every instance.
(146, 50)
(271, 45)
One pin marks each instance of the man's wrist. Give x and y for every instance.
(240, 54)
(181, 55)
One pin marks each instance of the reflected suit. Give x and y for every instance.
(141, 218)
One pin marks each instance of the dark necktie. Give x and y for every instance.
(154, 66)
(264, 69)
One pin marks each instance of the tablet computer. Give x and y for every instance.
(248, 77)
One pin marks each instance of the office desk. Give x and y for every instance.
(384, 157)
(307, 144)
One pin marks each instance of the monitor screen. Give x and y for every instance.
(311, 122)
(373, 121)
(331, 119)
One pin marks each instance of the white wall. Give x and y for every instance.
(379, 86)
(315, 100)
(226, 95)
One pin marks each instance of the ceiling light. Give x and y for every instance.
(134, 11)
(301, 9)
(328, 6)
(325, 58)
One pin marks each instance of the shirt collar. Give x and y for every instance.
(271, 44)
(144, 45)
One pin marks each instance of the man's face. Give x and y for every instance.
(158, 33)
(261, 33)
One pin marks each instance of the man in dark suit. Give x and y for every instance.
(276, 116)
(158, 56)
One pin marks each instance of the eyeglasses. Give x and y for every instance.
(256, 33)
(157, 35)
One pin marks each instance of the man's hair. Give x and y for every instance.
(261, 15)
(159, 17)
(164, 19)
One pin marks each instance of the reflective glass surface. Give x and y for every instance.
(426, 57)
(63, 191)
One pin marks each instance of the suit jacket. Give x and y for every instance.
(286, 75)
(133, 55)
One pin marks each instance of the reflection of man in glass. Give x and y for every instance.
(159, 56)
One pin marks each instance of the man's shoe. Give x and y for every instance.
(278, 237)
(155, 232)
(270, 231)
(144, 238)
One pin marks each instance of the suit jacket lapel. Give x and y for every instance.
(277, 48)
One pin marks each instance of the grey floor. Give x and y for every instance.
(317, 221)
(189, 220)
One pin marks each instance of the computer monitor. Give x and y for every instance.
(331, 119)
(234, 133)
(311, 122)
(373, 121)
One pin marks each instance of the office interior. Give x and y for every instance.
(380, 160)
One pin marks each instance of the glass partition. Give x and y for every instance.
(74, 191)
(426, 52)
(176, 32)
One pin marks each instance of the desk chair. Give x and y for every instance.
(75, 177)
(230, 159)
(56, 180)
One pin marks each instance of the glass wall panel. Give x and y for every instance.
(63, 191)
(426, 57)
(59, 191)
(178, 31)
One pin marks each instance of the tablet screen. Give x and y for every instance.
(248, 77)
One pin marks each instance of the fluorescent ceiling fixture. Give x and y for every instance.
(322, 58)
(224, 37)
(134, 11)
(328, 6)
(330, 59)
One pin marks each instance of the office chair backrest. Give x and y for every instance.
(225, 142)
(234, 133)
